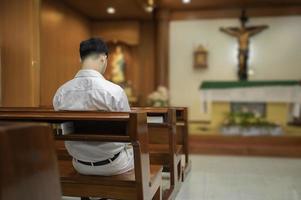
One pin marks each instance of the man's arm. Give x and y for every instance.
(123, 103)
(56, 101)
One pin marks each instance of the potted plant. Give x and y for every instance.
(248, 124)
(158, 98)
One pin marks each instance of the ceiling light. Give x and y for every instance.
(149, 8)
(111, 10)
(186, 1)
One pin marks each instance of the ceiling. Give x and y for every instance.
(97, 9)
(219, 4)
(134, 9)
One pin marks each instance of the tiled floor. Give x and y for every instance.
(241, 178)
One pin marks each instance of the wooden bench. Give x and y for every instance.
(163, 147)
(183, 137)
(160, 150)
(28, 168)
(144, 182)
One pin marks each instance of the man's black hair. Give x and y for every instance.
(92, 46)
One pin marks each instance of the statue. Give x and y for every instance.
(243, 35)
(118, 66)
(117, 74)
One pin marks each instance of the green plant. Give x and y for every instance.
(246, 119)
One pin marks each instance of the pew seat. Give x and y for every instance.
(121, 186)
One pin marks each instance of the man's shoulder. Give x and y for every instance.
(111, 87)
(67, 85)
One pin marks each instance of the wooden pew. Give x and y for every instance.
(183, 137)
(163, 147)
(28, 168)
(158, 153)
(144, 182)
(181, 134)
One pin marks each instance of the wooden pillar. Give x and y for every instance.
(19, 32)
(162, 48)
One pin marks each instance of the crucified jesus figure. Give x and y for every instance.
(243, 35)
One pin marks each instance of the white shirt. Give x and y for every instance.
(89, 90)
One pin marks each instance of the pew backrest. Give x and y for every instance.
(28, 168)
(102, 127)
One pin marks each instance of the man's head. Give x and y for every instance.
(93, 54)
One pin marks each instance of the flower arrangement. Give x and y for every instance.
(246, 119)
(248, 124)
(158, 98)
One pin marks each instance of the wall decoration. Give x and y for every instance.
(200, 57)
(243, 35)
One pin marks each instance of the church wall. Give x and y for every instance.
(62, 29)
(274, 54)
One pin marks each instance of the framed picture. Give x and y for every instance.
(200, 57)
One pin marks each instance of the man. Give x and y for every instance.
(90, 91)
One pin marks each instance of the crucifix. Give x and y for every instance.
(243, 35)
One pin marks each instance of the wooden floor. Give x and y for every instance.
(282, 146)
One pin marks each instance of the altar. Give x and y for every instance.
(278, 102)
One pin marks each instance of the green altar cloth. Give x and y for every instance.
(277, 91)
(211, 85)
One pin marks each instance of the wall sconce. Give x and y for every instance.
(200, 57)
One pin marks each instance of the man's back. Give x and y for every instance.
(90, 91)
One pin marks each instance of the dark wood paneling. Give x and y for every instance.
(1, 25)
(20, 52)
(147, 59)
(281, 146)
(162, 48)
(62, 29)
(234, 13)
(217, 4)
(118, 31)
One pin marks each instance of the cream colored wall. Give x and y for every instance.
(274, 54)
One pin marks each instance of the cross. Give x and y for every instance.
(243, 35)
